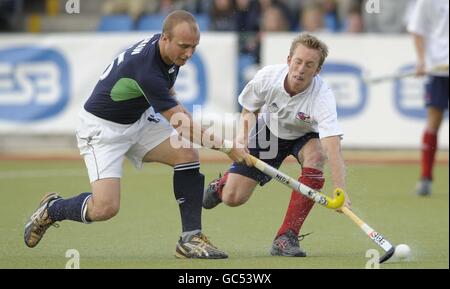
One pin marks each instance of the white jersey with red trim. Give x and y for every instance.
(430, 19)
(313, 110)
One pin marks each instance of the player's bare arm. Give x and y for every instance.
(247, 121)
(332, 148)
(419, 43)
(182, 121)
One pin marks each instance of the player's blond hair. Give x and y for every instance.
(177, 17)
(312, 42)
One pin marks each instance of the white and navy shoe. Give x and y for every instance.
(39, 222)
(198, 247)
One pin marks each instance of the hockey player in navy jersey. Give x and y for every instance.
(128, 115)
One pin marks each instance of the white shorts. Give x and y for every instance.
(104, 144)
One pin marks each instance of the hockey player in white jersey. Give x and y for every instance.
(429, 25)
(287, 110)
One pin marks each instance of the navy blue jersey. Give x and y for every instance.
(137, 79)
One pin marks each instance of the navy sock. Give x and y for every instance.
(70, 209)
(188, 184)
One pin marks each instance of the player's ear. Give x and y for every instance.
(289, 59)
(165, 36)
(318, 70)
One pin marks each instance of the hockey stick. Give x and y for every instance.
(335, 203)
(316, 196)
(374, 235)
(389, 77)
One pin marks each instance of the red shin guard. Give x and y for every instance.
(299, 205)
(429, 146)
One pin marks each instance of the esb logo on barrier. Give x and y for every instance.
(191, 84)
(409, 95)
(34, 83)
(346, 82)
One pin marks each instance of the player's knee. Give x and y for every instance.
(316, 160)
(188, 155)
(104, 212)
(233, 198)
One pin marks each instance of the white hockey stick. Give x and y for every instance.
(335, 203)
(396, 76)
(316, 196)
(374, 235)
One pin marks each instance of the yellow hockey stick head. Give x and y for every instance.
(338, 199)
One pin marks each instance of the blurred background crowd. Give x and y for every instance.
(251, 22)
(250, 18)
(219, 15)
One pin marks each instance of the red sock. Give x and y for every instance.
(429, 146)
(299, 206)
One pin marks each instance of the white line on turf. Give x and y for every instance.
(50, 173)
(42, 173)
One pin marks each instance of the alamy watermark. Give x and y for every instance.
(227, 127)
(373, 6)
(74, 259)
(73, 7)
(374, 259)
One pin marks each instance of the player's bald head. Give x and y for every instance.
(177, 17)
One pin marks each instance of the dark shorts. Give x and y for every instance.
(260, 150)
(437, 92)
